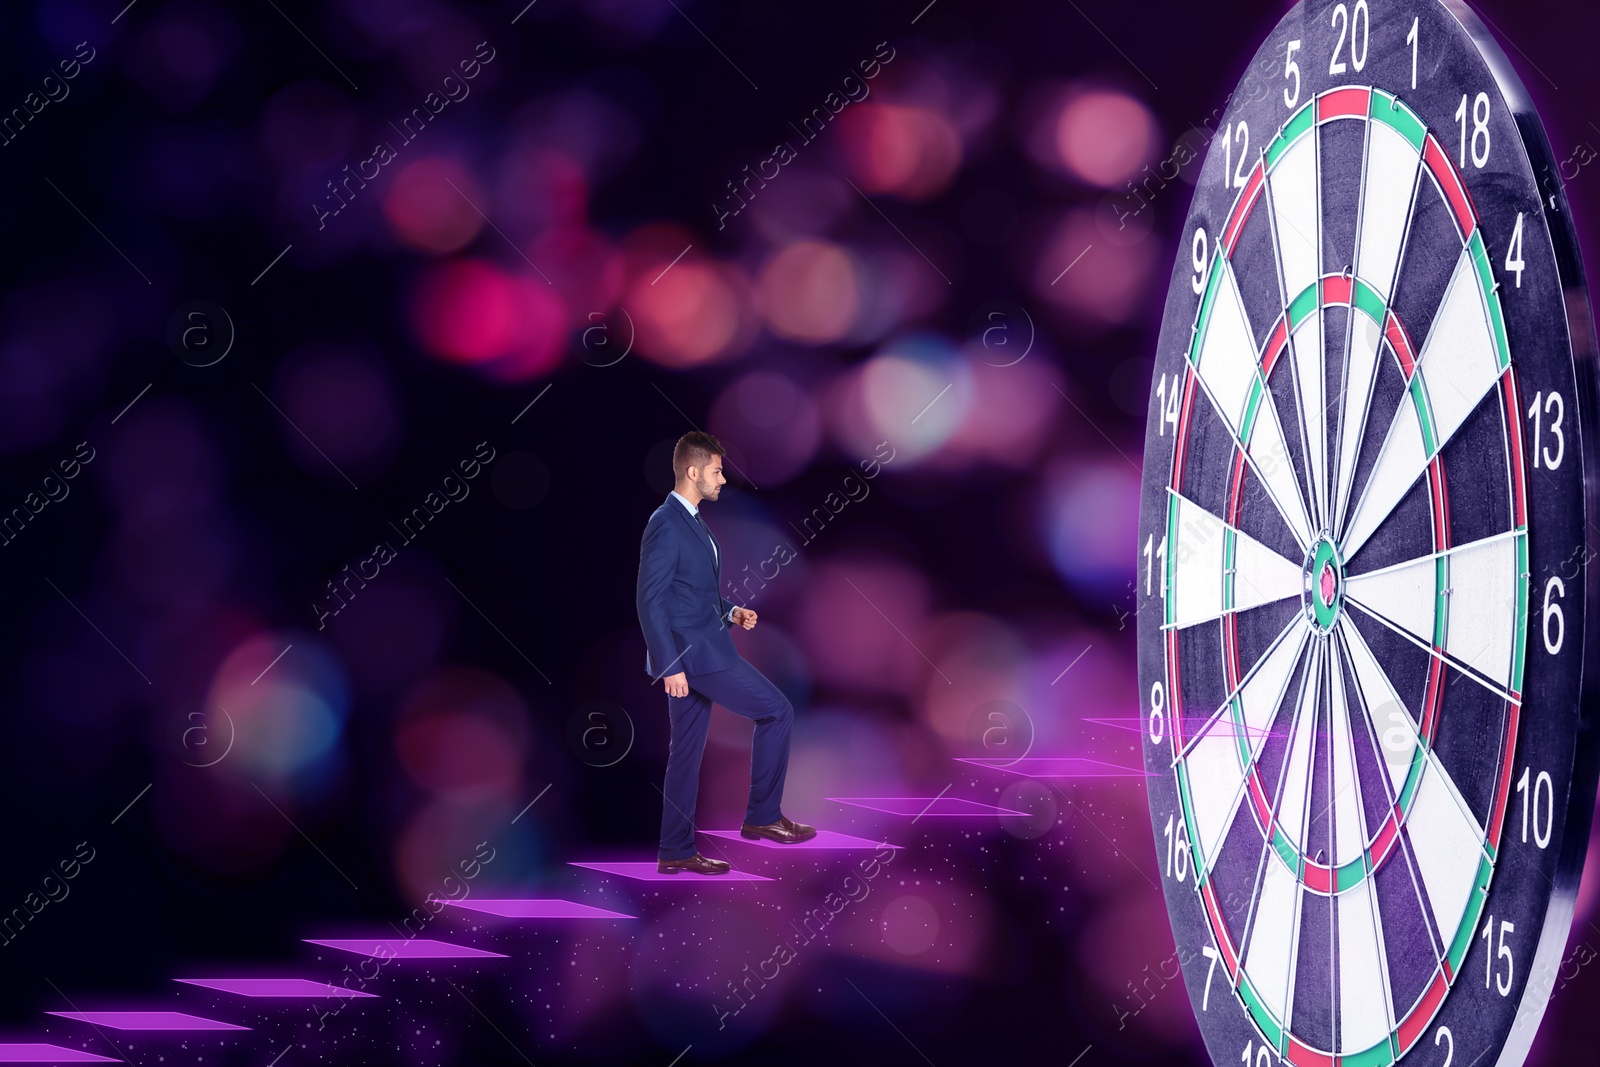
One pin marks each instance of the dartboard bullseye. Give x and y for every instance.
(1364, 582)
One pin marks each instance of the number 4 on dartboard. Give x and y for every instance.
(1366, 463)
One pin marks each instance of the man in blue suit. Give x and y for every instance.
(685, 620)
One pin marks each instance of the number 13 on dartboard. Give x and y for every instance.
(1363, 626)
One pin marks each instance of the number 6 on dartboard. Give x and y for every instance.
(1368, 449)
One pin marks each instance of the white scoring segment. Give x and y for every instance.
(1388, 184)
(1227, 369)
(1483, 606)
(1366, 1012)
(1262, 694)
(1215, 786)
(1227, 362)
(1273, 936)
(1216, 568)
(1459, 361)
(1297, 226)
(1296, 216)
(1458, 366)
(1361, 371)
(1404, 594)
(1196, 554)
(1480, 601)
(1349, 836)
(1310, 377)
(1448, 844)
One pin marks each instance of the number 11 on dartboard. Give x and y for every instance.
(1363, 632)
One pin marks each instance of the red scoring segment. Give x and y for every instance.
(1344, 104)
(1444, 172)
(1247, 200)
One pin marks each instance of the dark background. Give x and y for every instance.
(469, 276)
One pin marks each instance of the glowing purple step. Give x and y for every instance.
(917, 807)
(537, 908)
(146, 1020)
(825, 839)
(34, 1052)
(1059, 767)
(1218, 728)
(274, 987)
(400, 948)
(645, 871)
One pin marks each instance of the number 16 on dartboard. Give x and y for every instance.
(1363, 626)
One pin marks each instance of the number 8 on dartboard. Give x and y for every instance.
(1371, 734)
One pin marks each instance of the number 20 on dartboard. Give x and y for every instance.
(1363, 624)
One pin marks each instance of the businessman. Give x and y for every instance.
(685, 620)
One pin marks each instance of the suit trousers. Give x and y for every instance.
(744, 691)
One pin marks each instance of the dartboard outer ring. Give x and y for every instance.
(1488, 991)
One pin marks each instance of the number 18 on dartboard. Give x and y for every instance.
(1363, 629)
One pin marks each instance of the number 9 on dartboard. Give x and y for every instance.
(1363, 626)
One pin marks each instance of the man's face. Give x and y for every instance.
(709, 481)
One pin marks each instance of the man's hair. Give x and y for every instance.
(694, 449)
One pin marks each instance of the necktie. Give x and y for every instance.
(714, 553)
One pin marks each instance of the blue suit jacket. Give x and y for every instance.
(681, 611)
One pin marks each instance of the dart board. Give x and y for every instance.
(1364, 586)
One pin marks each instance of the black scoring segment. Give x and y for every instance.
(1478, 482)
(1469, 739)
(1255, 268)
(1208, 454)
(1341, 151)
(1403, 663)
(1432, 248)
(1407, 533)
(1203, 682)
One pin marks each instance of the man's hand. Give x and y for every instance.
(744, 617)
(677, 684)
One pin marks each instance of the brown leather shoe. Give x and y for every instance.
(695, 864)
(785, 831)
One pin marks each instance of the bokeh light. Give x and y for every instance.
(689, 309)
(429, 205)
(1092, 271)
(914, 393)
(52, 341)
(178, 54)
(510, 325)
(912, 152)
(809, 292)
(1104, 137)
(286, 697)
(910, 925)
(1087, 515)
